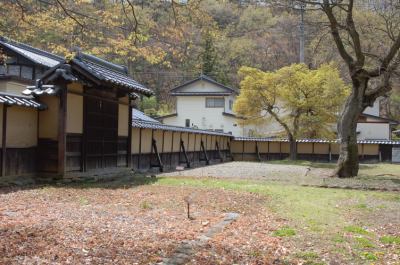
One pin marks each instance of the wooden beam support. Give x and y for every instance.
(158, 158)
(163, 145)
(258, 152)
(330, 152)
(140, 147)
(84, 137)
(242, 150)
(4, 141)
(61, 133)
(183, 150)
(194, 147)
(219, 152)
(229, 155)
(172, 150)
(129, 144)
(204, 153)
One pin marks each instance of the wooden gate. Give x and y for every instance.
(101, 133)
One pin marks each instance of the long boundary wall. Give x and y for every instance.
(163, 149)
(261, 149)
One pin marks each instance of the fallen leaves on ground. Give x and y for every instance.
(136, 225)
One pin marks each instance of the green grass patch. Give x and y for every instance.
(356, 230)
(369, 256)
(364, 243)
(319, 209)
(338, 238)
(284, 232)
(390, 240)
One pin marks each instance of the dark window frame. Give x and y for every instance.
(214, 105)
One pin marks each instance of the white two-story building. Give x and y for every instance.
(205, 104)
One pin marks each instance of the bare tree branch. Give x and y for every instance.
(335, 34)
(66, 11)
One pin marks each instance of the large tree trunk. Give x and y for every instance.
(348, 164)
(293, 147)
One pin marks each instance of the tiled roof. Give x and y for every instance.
(138, 115)
(204, 78)
(141, 120)
(200, 93)
(10, 99)
(315, 140)
(87, 67)
(159, 126)
(35, 55)
(109, 72)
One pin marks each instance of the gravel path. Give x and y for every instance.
(252, 170)
(290, 174)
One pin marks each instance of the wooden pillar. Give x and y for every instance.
(188, 143)
(162, 146)
(151, 147)
(172, 149)
(330, 152)
(129, 144)
(84, 135)
(140, 147)
(362, 151)
(62, 124)
(243, 150)
(4, 142)
(312, 150)
(194, 147)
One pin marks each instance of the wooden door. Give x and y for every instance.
(101, 133)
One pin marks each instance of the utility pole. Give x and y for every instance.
(302, 35)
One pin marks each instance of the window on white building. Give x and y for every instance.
(230, 104)
(187, 123)
(215, 102)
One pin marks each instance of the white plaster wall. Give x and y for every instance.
(373, 131)
(194, 108)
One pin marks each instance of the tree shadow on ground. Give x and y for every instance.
(114, 183)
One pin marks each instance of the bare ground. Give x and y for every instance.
(128, 225)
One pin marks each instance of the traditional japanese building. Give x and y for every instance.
(62, 117)
(87, 124)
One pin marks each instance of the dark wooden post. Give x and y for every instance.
(129, 144)
(84, 135)
(258, 152)
(194, 146)
(162, 146)
(172, 149)
(62, 124)
(140, 147)
(242, 150)
(4, 141)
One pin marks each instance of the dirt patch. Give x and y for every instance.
(138, 225)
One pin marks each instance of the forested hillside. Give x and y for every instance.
(165, 42)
